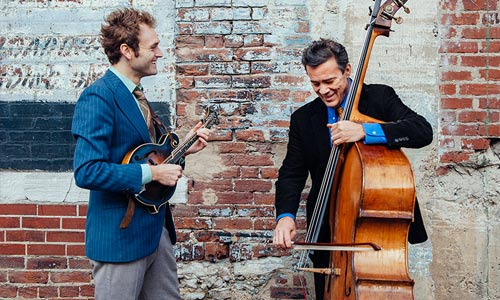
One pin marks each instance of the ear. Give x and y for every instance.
(348, 70)
(126, 51)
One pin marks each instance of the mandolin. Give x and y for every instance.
(166, 151)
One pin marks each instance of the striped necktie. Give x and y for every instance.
(146, 111)
(340, 111)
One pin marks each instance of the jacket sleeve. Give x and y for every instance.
(403, 127)
(292, 174)
(97, 157)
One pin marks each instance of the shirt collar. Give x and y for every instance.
(127, 82)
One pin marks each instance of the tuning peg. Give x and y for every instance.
(370, 10)
(401, 4)
(388, 16)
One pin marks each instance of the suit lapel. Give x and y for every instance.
(319, 119)
(127, 104)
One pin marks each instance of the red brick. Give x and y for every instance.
(269, 172)
(46, 249)
(250, 135)
(490, 74)
(75, 250)
(18, 209)
(490, 47)
(232, 147)
(232, 224)
(479, 89)
(87, 291)
(48, 292)
(57, 210)
(481, 33)
(290, 80)
(192, 223)
(192, 69)
(213, 41)
(73, 223)
(47, 263)
(12, 249)
(221, 185)
(185, 82)
(476, 144)
(28, 277)
(459, 47)
(253, 160)
(28, 292)
(82, 210)
(481, 61)
(492, 130)
(41, 222)
(184, 28)
(252, 185)
(480, 5)
(189, 41)
(454, 157)
(452, 75)
(69, 291)
(448, 89)
(10, 222)
(216, 251)
(65, 236)
(79, 263)
(70, 277)
(264, 224)
(460, 18)
(11, 262)
(472, 116)
(492, 103)
(8, 291)
(456, 103)
(263, 199)
(25, 236)
(234, 197)
(249, 172)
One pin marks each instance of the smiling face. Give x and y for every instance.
(328, 81)
(144, 64)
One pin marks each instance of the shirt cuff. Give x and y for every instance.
(374, 134)
(285, 215)
(147, 175)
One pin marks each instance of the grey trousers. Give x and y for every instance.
(153, 277)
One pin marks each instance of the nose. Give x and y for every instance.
(323, 89)
(158, 52)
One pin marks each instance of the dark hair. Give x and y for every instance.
(122, 27)
(322, 50)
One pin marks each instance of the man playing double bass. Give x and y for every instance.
(316, 126)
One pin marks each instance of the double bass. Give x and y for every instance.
(371, 195)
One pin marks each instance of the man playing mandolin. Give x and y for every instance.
(316, 126)
(129, 245)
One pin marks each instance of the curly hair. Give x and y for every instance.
(322, 50)
(122, 27)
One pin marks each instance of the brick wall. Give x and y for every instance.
(470, 75)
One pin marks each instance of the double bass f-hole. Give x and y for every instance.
(347, 290)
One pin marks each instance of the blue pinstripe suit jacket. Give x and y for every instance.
(107, 123)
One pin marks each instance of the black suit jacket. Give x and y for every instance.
(309, 148)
